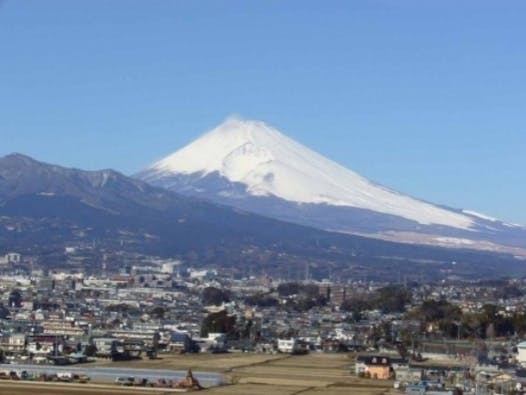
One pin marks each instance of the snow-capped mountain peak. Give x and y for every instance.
(268, 163)
(233, 149)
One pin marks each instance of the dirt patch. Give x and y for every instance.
(21, 388)
(327, 374)
(197, 362)
(247, 374)
(253, 389)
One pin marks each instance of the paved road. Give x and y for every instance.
(107, 374)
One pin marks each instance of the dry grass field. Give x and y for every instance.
(26, 388)
(205, 362)
(261, 374)
(246, 374)
(327, 374)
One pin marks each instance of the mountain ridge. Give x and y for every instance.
(45, 208)
(271, 164)
(250, 165)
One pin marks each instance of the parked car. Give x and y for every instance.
(125, 380)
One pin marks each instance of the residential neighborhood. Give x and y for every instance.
(444, 335)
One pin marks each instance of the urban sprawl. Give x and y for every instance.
(452, 336)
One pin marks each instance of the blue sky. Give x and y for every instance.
(428, 98)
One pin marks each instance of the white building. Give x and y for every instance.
(11, 258)
(289, 346)
(16, 341)
(105, 346)
(521, 357)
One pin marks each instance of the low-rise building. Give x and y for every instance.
(375, 366)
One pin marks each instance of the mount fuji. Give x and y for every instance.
(252, 166)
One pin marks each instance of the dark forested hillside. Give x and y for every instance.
(44, 208)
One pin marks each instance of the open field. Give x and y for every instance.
(26, 388)
(200, 362)
(261, 374)
(246, 374)
(326, 374)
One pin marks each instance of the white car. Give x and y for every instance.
(125, 380)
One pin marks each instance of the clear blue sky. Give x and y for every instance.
(427, 97)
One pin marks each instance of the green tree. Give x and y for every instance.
(356, 306)
(15, 298)
(157, 312)
(288, 289)
(262, 300)
(219, 322)
(4, 311)
(392, 298)
(214, 296)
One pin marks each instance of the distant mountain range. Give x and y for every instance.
(112, 201)
(44, 208)
(252, 166)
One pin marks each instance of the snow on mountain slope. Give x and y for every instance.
(479, 215)
(269, 163)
